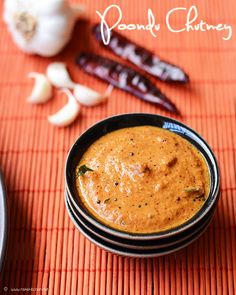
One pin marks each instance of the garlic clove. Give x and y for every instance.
(67, 114)
(42, 90)
(59, 76)
(89, 97)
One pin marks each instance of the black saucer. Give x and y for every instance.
(97, 237)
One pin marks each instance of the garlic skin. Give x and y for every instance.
(42, 90)
(89, 97)
(59, 76)
(41, 27)
(67, 114)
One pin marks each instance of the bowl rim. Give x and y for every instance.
(155, 235)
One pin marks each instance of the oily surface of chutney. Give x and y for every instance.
(142, 179)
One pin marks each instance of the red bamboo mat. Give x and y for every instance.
(45, 250)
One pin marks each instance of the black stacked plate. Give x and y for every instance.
(138, 245)
(3, 222)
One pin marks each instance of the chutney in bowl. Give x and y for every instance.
(142, 179)
(161, 173)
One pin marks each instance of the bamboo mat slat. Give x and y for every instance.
(45, 250)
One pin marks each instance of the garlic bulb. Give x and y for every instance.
(41, 27)
(42, 90)
(89, 97)
(59, 76)
(67, 114)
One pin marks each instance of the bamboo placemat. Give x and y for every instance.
(45, 249)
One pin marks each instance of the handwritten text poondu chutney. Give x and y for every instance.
(193, 23)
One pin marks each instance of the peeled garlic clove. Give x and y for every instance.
(59, 76)
(67, 114)
(89, 97)
(42, 90)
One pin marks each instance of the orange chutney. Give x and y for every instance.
(144, 179)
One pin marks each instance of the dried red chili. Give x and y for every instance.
(141, 57)
(124, 77)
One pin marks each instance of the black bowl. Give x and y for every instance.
(139, 119)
